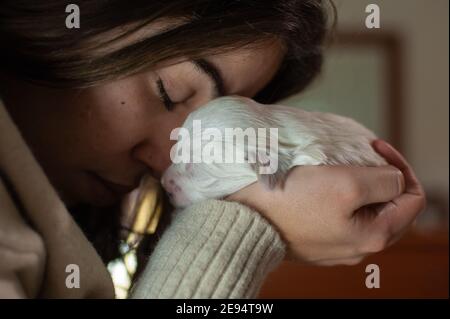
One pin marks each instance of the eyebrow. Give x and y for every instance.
(212, 71)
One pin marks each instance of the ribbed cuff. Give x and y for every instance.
(214, 249)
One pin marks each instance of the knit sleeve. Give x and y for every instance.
(213, 249)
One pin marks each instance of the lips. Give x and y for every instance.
(156, 175)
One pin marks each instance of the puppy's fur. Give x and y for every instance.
(305, 138)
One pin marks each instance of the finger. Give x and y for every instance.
(396, 216)
(396, 159)
(403, 210)
(374, 185)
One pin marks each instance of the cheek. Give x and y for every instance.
(110, 132)
(110, 120)
(113, 124)
(118, 117)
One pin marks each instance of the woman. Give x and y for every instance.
(94, 107)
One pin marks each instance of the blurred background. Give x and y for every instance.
(395, 80)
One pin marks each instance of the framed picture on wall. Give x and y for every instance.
(361, 79)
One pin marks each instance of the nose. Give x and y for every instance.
(153, 147)
(156, 157)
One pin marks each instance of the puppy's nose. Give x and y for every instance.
(163, 181)
(167, 183)
(164, 185)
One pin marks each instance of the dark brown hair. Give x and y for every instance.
(37, 46)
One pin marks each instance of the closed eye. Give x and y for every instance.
(165, 98)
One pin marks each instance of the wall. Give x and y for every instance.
(423, 28)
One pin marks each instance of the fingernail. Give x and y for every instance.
(382, 143)
(400, 181)
(389, 145)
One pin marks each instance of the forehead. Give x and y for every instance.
(247, 70)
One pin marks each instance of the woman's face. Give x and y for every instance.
(96, 143)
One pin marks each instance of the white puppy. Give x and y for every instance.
(304, 138)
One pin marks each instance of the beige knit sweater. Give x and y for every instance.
(214, 249)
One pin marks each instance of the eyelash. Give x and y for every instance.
(165, 98)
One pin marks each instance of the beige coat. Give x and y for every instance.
(38, 236)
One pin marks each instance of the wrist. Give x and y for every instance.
(262, 200)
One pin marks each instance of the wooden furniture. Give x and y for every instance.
(415, 267)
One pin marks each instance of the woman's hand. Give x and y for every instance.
(331, 215)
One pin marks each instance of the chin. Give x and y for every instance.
(84, 192)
